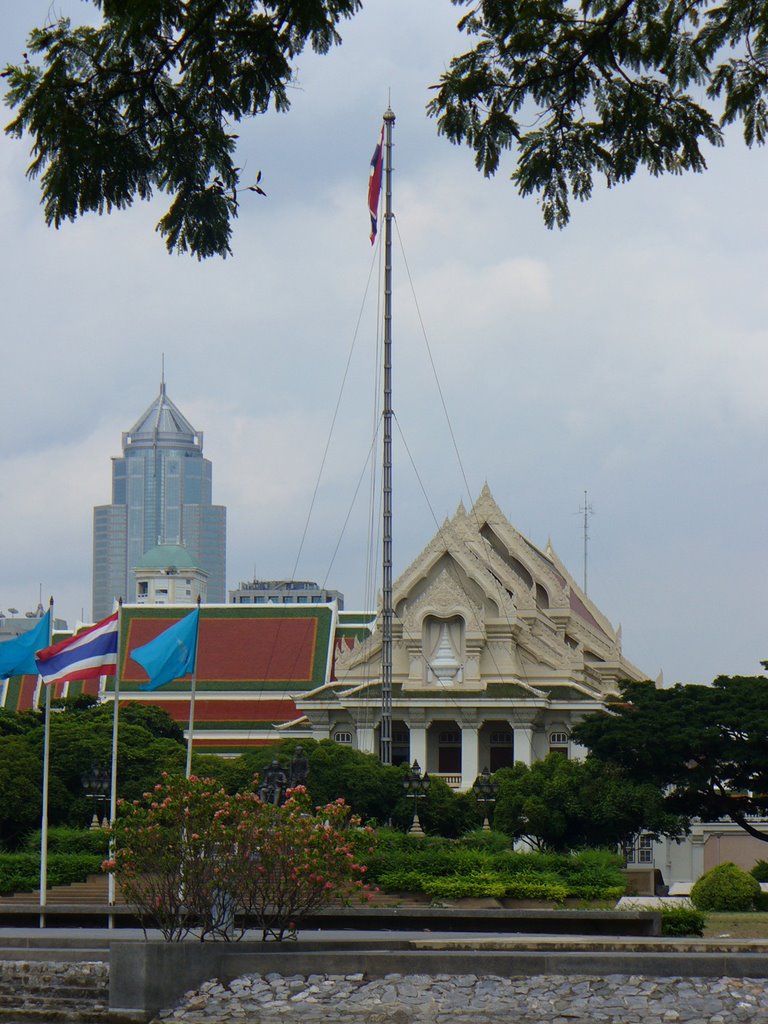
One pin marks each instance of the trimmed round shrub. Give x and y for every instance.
(726, 888)
(760, 871)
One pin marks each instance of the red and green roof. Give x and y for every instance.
(241, 648)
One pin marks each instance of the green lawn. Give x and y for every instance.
(737, 926)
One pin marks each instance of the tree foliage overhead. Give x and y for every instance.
(706, 745)
(147, 101)
(603, 87)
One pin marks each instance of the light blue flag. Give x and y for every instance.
(17, 656)
(171, 654)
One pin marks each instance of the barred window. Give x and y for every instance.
(343, 737)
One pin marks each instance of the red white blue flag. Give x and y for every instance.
(374, 185)
(87, 655)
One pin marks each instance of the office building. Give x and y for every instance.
(161, 494)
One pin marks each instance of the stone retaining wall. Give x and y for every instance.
(469, 999)
(76, 992)
(59, 991)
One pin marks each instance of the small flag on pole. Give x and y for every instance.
(171, 654)
(374, 185)
(17, 656)
(87, 655)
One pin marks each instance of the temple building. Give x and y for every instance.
(497, 654)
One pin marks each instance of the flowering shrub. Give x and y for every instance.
(190, 857)
(292, 861)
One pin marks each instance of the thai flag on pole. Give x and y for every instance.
(374, 185)
(87, 655)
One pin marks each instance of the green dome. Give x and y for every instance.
(167, 556)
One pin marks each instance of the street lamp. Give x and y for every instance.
(95, 784)
(416, 785)
(485, 789)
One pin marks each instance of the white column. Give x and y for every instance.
(418, 744)
(365, 737)
(469, 756)
(697, 841)
(524, 743)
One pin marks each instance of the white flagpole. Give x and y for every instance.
(193, 687)
(46, 766)
(113, 779)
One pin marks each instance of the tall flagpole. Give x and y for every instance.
(193, 687)
(46, 768)
(386, 582)
(113, 776)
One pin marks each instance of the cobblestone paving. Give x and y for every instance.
(469, 999)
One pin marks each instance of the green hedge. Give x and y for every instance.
(69, 840)
(484, 865)
(20, 872)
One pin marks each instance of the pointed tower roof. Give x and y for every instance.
(164, 424)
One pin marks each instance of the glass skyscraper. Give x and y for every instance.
(161, 494)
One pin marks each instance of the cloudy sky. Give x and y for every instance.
(626, 356)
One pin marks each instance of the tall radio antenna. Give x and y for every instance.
(586, 510)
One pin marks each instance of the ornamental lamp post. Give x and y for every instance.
(485, 789)
(416, 785)
(95, 784)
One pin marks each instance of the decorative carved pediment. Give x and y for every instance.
(443, 599)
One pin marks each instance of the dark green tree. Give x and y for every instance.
(706, 746)
(603, 87)
(148, 102)
(562, 805)
(81, 735)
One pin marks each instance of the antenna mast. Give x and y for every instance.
(587, 511)
(385, 745)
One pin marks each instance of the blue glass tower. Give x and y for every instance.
(161, 494)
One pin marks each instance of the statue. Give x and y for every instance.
(299, 768)
(273, 784)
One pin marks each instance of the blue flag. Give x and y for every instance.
(17, 656)
(171, 654)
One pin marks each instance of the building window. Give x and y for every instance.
(558, 743)
(502, 739)
(343, 737)
(639, 850)
(449, 739)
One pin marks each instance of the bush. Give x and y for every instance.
(401, 863)
(726, 888)
(20, 872)
(70, 840)
(492, 842)
(760, 871)
(678, 921)
(465, 887)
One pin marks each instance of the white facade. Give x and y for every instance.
(497, 654)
